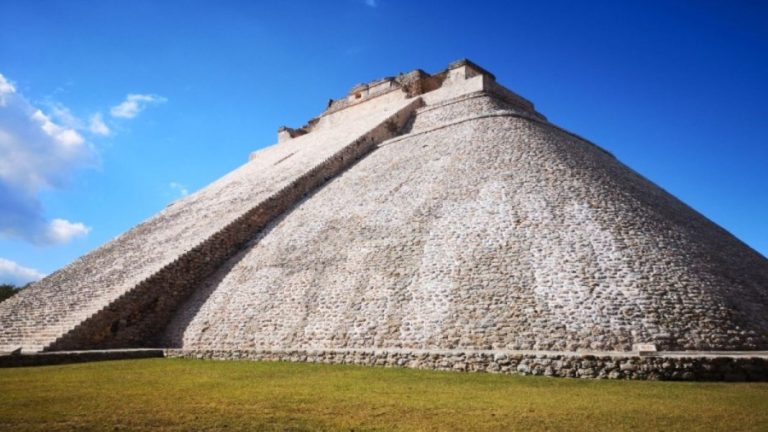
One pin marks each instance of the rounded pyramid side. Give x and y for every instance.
(486, 230)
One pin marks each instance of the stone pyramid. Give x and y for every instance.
(421, 213)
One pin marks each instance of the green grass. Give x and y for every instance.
(173, 394)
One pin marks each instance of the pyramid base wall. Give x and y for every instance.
(671, 366)
(69, 357)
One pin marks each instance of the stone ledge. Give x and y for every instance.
(677, 366)
(64, 357)
(497, 113)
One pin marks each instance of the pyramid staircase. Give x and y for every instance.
(133, 315)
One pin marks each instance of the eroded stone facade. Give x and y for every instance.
(469, 224)
(123, 293)
(675, 367)
(485, 229)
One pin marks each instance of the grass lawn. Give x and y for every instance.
(175, 394)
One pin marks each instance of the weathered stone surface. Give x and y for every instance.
(123, 293)
(566, 364)
(488, 231)
(469, 226)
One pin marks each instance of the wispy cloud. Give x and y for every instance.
(6, 88)
(371, 3)
(63, 116)
(61, 231)
(66, 137)
(11, 272)
(134, 104)
(36, 153)
(97, 126)
(179, 189)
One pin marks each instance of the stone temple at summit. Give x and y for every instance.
(424, 220)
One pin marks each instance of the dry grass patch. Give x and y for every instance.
(175, 394)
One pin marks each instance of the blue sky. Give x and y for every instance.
(110, 110)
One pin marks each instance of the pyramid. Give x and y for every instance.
(420, 214)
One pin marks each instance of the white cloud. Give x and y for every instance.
(36, 153)
(97, 125)
(134, 104)
(62, 231)
(66, 137)
(63, 116)
(5, 88)
(179, 188)
(371, 3)
(11, 272)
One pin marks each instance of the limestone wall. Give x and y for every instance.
(58, 358)
(453, 89)
(693, 367)
(119, 294)
(445, 112)
(498, 232)
(344, 117)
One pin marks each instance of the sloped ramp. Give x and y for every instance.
(122, 293)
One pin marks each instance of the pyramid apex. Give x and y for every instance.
(460, 77)
(465, 62)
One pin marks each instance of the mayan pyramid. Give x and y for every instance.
(419, 212)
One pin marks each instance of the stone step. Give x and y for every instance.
(323, 155)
